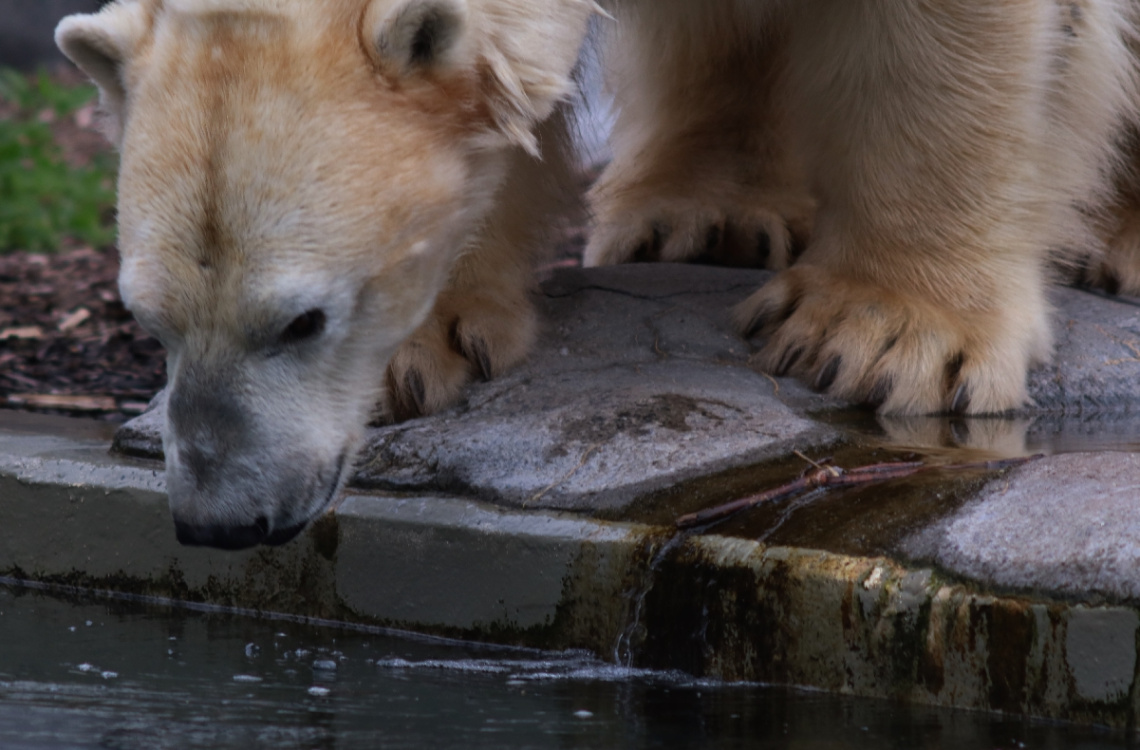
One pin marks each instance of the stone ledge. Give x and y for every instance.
(1013, 591)
(714, 605)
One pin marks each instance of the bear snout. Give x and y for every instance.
(247, 502)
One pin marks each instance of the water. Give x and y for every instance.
(117, 675)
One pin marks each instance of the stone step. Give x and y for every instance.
(541, 512)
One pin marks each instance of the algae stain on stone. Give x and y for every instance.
(1010, 626)
(670, 411)
(1100, 651)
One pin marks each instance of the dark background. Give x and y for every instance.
(27, 28)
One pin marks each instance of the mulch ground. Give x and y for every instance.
(67, 344)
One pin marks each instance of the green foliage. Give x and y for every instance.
(43, 199)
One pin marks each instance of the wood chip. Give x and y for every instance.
(16, 377)
(76, 319)
(61, 402)
(30, 333)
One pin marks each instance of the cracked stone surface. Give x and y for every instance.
(640, 382)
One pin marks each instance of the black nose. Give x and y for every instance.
(222, 537)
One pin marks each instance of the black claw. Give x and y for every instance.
(954, 367)
(650, 251)
(763, 249)
(758, 323)
(788, 361)
(798, 245)
(961, 401)
(1111, 283)
(960, 431)
(712, 239)
(791, 307)
(477, 352)
(827, 375)
(474, 351)
(879, 392)
(767, 316)
(414, 384)
(753, 329)
(1083, 280)
(401, 398)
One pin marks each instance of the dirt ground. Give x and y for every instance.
(66, 342)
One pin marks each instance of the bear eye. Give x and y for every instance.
(305, 326)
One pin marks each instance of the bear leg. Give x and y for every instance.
(703, 167)
(484, 321)
(946, 172)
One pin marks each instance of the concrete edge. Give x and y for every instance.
(710, 605)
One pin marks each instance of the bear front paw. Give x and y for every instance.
(467, 337)
(890, 349)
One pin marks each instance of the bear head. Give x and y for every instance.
(296, 180)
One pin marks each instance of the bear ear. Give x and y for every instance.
(101, 44)
(410, 35)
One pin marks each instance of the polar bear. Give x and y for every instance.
(324, 204)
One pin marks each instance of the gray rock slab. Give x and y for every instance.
(718, 606)
(1066, 524)
(464, 564)
(1096, 366)
(72, 514)
(639, 382)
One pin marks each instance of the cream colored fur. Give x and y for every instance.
(372, 163)
(951, 149)
(315, 192)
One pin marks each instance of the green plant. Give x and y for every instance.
(43, 199)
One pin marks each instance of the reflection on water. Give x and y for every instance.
(122, 675)
(974, 438)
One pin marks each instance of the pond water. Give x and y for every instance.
(113, 674)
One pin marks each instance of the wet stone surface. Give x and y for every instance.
(640, 386)
(1011, 589)
(639, 383)
(1066, 524)
(1096, 366)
